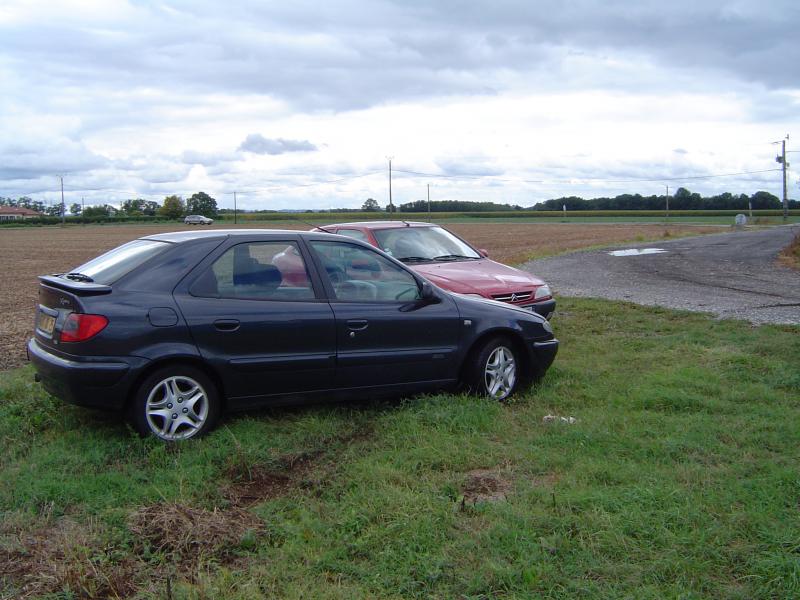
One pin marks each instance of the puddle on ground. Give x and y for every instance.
(636, 251)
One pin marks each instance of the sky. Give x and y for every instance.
(302, 104)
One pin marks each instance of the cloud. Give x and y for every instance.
(258, 144)
(32, 159)
(469, 166)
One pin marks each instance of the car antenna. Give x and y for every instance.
(311, 225)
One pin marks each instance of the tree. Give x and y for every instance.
(96, 211)
(172, 207)
(371, 205)
(201, 204)
(132, 207)
(75, 209)
(765, 200)
(150, 208)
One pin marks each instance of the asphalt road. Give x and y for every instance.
(731, 275)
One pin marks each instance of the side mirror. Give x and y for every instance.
(426, 291)
(483, 252)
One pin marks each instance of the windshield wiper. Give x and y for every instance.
(413, 259)
(454, 257)
(78, 277)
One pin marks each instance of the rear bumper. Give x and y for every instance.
(544, 353)
(97, 384)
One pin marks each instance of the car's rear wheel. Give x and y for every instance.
(495, 369)
(175, 403)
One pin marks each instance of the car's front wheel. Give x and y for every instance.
(175, 403)
(495, 369)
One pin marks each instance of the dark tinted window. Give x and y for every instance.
(257, 271)
(360, 274)
(112, 265)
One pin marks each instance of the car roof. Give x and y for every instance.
(382, 224)
(177, 237)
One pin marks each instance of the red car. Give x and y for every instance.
(451, 263)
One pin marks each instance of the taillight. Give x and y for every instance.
(79, 327)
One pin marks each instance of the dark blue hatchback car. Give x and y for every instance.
(175, 328)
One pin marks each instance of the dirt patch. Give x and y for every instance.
(485, 485)
(307, 470)
(192, 534)
(259, 485)
(30, 252)
(63, 556)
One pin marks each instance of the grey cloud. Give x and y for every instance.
(35, 159)
(258, 144)
(343, 57)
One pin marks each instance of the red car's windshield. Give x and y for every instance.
(411, 244)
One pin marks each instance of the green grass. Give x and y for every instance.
(679, 480)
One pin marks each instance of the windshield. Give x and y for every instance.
(423, 243)
(112, 265)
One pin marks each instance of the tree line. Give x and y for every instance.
(683, 199)
(200, 203)
(172, 207)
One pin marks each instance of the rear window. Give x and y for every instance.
(109, 267)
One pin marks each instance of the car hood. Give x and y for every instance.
(482, 276)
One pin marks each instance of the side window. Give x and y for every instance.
(360, 274)
(257, 271)
(356, 234)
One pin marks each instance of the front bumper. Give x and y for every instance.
(543, 354)
(544, 309)
(97, 383)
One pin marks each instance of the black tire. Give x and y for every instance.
(495, 369)
(175, 403)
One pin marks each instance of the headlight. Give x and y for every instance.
(543, 291)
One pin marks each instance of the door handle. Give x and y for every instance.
(226, 324)
(357, 324)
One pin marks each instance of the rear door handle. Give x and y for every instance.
(226, 324)
(357, 324)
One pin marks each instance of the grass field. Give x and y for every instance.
(678, 480)
(32, 251)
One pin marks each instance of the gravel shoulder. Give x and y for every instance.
(731, 275)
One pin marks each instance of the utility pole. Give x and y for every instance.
(63, 212)
(234, 207)
(83, 207)
(429, 202)
(391, 206)
(785, 193)
(782, 160)
(667, 198)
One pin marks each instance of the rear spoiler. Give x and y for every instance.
(79, 288)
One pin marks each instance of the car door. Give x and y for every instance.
(266, 331)
(386, 333)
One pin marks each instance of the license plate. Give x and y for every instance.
(46, 323)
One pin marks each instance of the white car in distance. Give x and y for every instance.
(197, 220)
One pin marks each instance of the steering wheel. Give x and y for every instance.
(335, 274)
